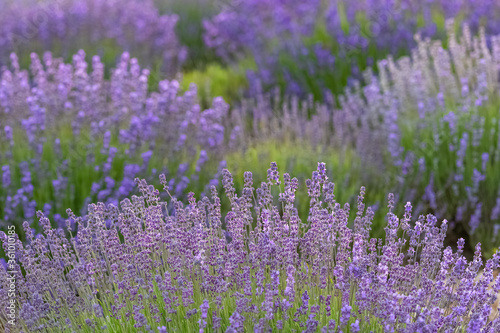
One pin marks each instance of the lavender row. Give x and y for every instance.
(63, 26)
(138, 267)
(65, 129)
(313, 46)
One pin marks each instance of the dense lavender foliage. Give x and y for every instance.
(315, 46)
(67, 131)
(138, 267)
(66, 25)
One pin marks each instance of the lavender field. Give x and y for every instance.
(250, 166)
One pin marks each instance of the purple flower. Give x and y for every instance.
(345, 314)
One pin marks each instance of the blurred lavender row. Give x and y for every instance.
(308, 45)
(64, 26)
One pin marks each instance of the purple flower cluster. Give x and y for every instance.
(149, 268)
(263, 28)
(70, 111)
(132, 25)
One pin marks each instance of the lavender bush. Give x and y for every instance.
(262, 28)
(70, 137)
(101, 26)
(153, 265)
